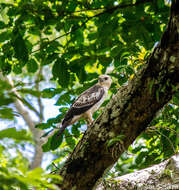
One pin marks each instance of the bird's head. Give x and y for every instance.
(105, 80)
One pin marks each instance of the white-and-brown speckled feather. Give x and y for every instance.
(87, 103)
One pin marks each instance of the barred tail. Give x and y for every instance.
(64, 126)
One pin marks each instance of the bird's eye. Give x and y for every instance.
(106, 78)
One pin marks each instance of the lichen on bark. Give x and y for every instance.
(129, 112)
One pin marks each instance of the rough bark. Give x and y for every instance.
(162, 176)
(128, 113)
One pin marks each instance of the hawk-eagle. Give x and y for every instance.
(87, 103)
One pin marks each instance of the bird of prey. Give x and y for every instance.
(87, 103)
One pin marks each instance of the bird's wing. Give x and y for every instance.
(90, 97)
(85, 101)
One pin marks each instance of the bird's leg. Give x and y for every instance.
(89, 119)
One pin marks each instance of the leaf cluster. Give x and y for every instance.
(77, 41)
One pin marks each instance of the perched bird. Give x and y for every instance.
(87, 103)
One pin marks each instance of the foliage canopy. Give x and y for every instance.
(76, 41)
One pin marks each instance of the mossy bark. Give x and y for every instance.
(128, 113)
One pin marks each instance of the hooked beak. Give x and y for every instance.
(101, 80)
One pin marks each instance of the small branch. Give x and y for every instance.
(106, 9)
(170, 142)
(19, 105)
(155, 129)
(37, 86)
(62, 35)
(24, 101)
(109, 10)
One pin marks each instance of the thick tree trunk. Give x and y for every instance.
(128, 113)
(162, 176)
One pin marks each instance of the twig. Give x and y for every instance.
(168, 141)
(55, 165)
(110, 10)
(155, 129)
(41, 107)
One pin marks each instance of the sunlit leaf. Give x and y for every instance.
(14, 134)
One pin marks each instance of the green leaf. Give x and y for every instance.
(140, 158)
(52, 47)
(115, 51)
(2, 25)
(122, 80)
(5, 67)
(43, 125)
(47, 133)
(79, 36)
(30, 91)
(48, 93)
(175, 99)
(56, 141)
(17, 68)
(47, 146)
(105, 61)
(137, 149)
(14, 134)
(12, 181)
(60, 71)
(5, 100)
(34, 30)
(50, 58)
(63, 99)
(5, 36)
(32, 66)
(51, 92)
(7, 113)
(53, 142)
(21, 51)
(69, 139)
(75, 131)
(160, 3)
(167, 144)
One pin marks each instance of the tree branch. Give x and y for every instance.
(106, 10)
(37, 159)
(38, 155)
(128, 113)
(37, 86)
(162, 176)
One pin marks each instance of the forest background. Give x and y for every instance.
(50, 52)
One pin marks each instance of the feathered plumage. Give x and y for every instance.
(87, 103)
